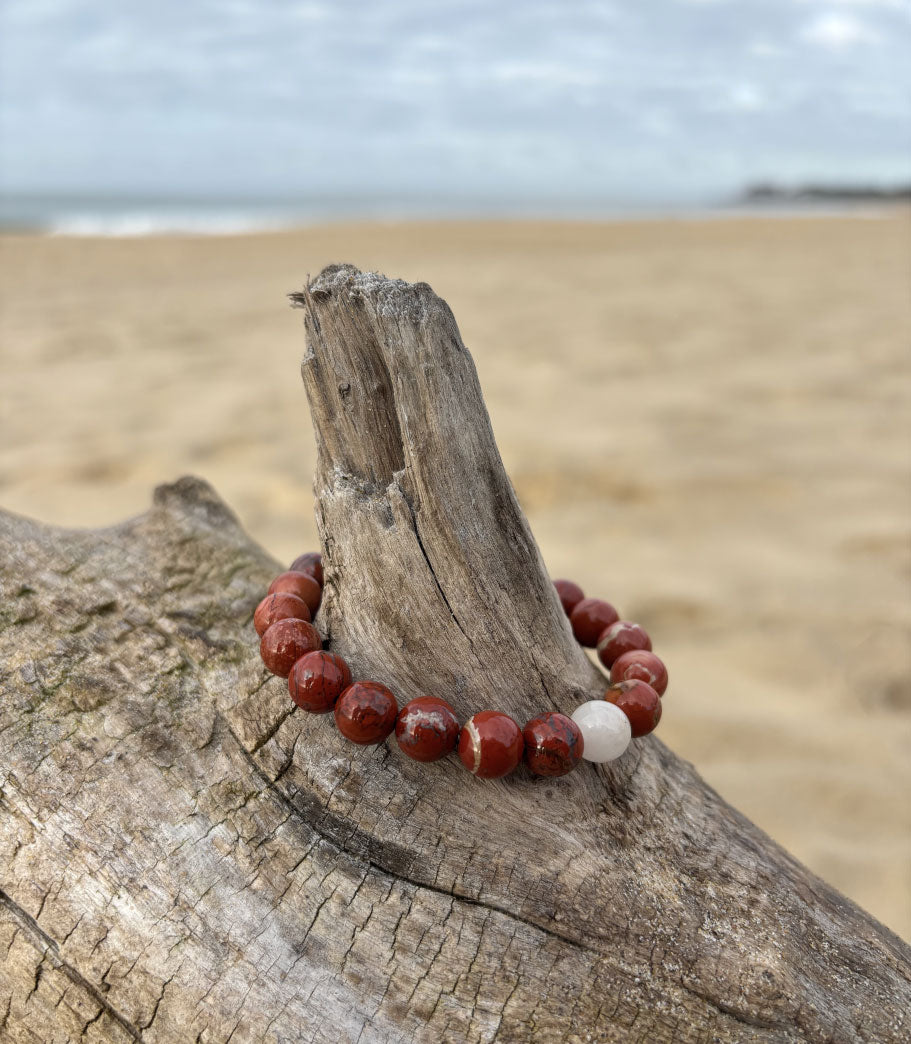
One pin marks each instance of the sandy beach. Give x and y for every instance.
(707, 422)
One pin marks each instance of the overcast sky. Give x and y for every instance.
(615, 100)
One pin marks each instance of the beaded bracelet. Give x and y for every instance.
(490, 744)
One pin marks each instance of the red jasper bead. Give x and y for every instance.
(301, 584)
(366, 712)
(312, 563)
(279, 606)
(639, 702)
(427, 728)
(570, 594)
(589, 619)
(490, 744)
(553, 744)
(640, 665)
(621, 637)
(317, 680)
(285, 642)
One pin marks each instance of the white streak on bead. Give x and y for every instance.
(472, 731)
(605, 729)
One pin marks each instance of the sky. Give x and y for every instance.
(610, 100)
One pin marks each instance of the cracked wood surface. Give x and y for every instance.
(183, 858)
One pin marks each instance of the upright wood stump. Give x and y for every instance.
(185, 857)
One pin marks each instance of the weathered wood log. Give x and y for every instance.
(184, 858)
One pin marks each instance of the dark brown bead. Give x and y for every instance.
(301, 584)
(285, 642)
(317, 680)
(621, 637)
(640, 665)
(570, 594)
(639, 702)
(490, 744)
(279, 606)
(427, 728)
(312, 563)
(553, 744)
(589, 618)
(366, 712)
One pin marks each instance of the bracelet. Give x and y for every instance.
(490, 744)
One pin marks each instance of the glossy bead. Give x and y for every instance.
(606, 731)
(427, 728)
(490, 744)
(317, 680)
(285, 642)
(589, 619)
(570, 594)
(366, 712)
(639, 702)
(640, 665)
(553, 744)
(621, 637)
(279, 606)
(312, 563)
(301, 584)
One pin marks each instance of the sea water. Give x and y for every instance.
(147, 216)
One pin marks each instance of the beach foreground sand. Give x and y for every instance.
(707, 422)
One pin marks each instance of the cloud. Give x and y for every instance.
(551, 74)
(838, 32)
(764, 49)
(309, 12)
(747, 97)
(893, 5)
(295, 96)
(738, 96)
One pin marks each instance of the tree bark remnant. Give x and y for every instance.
(184, 857)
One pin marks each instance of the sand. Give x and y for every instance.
(706, 421)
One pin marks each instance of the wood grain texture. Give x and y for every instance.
(185, 858)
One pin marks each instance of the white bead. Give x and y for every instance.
(605, 729)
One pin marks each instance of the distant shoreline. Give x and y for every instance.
(846, 195)
(138, 218)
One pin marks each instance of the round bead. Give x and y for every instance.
(621, 637)
(589, 618)
(427, 728)
(490, 744)
(570, 594)
(317, 680)
(285, 642)
(312, 563)
(366, 712)
(639, 702)
(553, 744)
(279, 606)
(640, 665)
(605, 729)
(301, 584)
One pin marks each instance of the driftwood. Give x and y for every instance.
(182, 857)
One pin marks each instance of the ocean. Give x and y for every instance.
(147, 216)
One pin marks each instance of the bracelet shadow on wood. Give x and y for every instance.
(184, 856)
